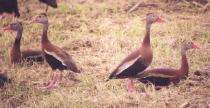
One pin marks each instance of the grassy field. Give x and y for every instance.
(99, 34)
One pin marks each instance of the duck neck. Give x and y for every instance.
(16, 44)
(184, 63)
(146, 41)
(44, 35)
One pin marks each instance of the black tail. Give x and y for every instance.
(110, 77)
(107, 80)
(74, 68)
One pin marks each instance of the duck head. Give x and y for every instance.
(41, 18)
(186, 45)
(152, 18)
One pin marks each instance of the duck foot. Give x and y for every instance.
(53, 83)
(50, 86)
(142, 94)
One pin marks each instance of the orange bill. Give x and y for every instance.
(33, 21)
(195, 46)
(161, 20)
(7, 28)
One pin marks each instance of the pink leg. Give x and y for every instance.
(48, 82)
(130, 86)
(1, 16)
(52, 81)
(14, 19)
(58, 79)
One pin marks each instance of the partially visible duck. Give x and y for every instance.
(56, 57)
(138, 60)
(51, 3)
(9, 6)
(3, 79)
(164, 76)
(16, 55)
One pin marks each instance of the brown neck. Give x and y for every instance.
(146, 41)
(16, 44)
(44, 35)
(184, 64)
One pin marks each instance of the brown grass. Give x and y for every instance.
(99, 34)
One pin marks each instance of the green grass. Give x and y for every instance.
(99, 35)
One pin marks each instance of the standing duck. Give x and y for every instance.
(15, 54)
(164, 76)
(9, 6)
(56, 57)
(138, 60)
(51, 3)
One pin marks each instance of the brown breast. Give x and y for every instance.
(147, 55)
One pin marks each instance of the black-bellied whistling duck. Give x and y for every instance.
(56, 57)
(51, 3)
(3, 79)
(164, 76)
(9, 6)
(16, 55)
(139, 59)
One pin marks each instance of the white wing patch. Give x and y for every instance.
(54, 55)
(127, 65)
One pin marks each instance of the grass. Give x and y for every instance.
(99, 35)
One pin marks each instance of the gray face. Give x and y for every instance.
(16, 26)
(41, 19)
(186, 45)
(151, 18)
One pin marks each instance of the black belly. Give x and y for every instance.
(37, 58)
(51, 3)
(134, 69)
(54, 63)
(157, 81)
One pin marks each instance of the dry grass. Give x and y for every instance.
(99, 35)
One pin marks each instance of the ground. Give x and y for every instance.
(99, 34)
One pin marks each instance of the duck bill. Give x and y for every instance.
(8, 28)
(161, 20)
(195, 46)
(33, 21)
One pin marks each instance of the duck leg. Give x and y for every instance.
(130, 85)
(58, 79)
(1, 16)
(52, 81)
(46, 9)
(14, 19)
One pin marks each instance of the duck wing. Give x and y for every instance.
(59, 56)
(130, 66)
(158, 76)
